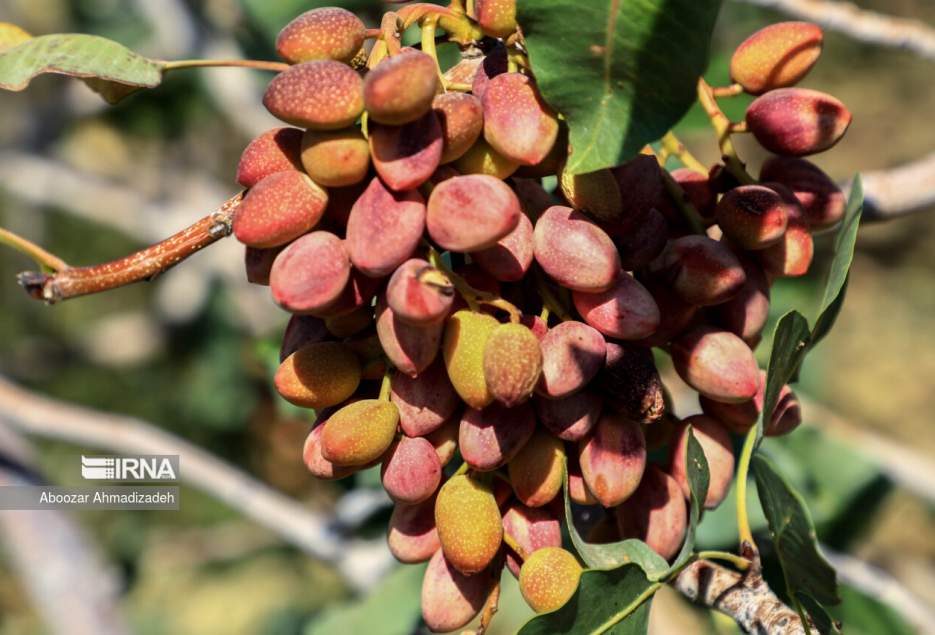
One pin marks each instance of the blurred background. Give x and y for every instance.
(192, 354)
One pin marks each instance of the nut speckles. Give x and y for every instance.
(462, 119)
(318, 375)
(574, 251)
(517, 122)
(323, 95)
(327, 33)
(400, 89)
(549, 578)
(512, 363)
(776, 56)
(384, 228)
(470, 213)
(310, 274)
(797, 121)
(273, 151)
(278, 209)
(469, 524)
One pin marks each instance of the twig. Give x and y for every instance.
(899, 191)
(746, 599)
(261, 65)
(361, 562)
(41, 257)
(142, 265)
(41, 416)
(71, 587)
(677, 149)
(722, 128)
(860, 24)
(877, 583)
(490, 607)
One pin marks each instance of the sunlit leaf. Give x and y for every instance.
(614, 554)
(11, 35)
(108, 67)
(698, 478)
(621, 73)
(616, 601)
(836, 284)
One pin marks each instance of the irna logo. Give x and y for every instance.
(137, 468)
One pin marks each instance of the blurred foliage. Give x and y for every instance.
(206, 376)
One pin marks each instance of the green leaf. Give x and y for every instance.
(621, 73)
(790, 344)
(836, 284)
(614, 601)
(866, 615)
(698, 478)
(390, 608)
(11, 35)
(794, 539)
(822, 620)
(615, 554)
(108, 68)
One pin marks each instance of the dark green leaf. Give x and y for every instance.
(822, 620)
(614, 601)
(109, 68)
(698, 477)
(622, 73)
(790, 343)
(390, 608)
(836, 284)
(614, 554)
(865, 615)
(794, 539)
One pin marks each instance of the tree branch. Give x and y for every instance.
(41, 416)
(862, 25)
(746, 599)
(899, 191)
(146, 264)
(880, 585)
(71, 587)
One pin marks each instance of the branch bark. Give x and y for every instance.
(746, 599)
(899, 191)
(860, 24)
(70, 585)
(36, 415)
(146, 264)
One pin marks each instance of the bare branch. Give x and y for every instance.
(71, 587)
(746, 599)
(37, 415)
(142, 265)
(860, 24)
(878, 584)
(899, 191)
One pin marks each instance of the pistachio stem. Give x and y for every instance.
(680, 198)
(722, 128)
(261, 65)
(727, 91)
(550, 304)
(738, 561)
(43, 258)
(743, 468)
(676, 148)
(472, 296)
(512, 544)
